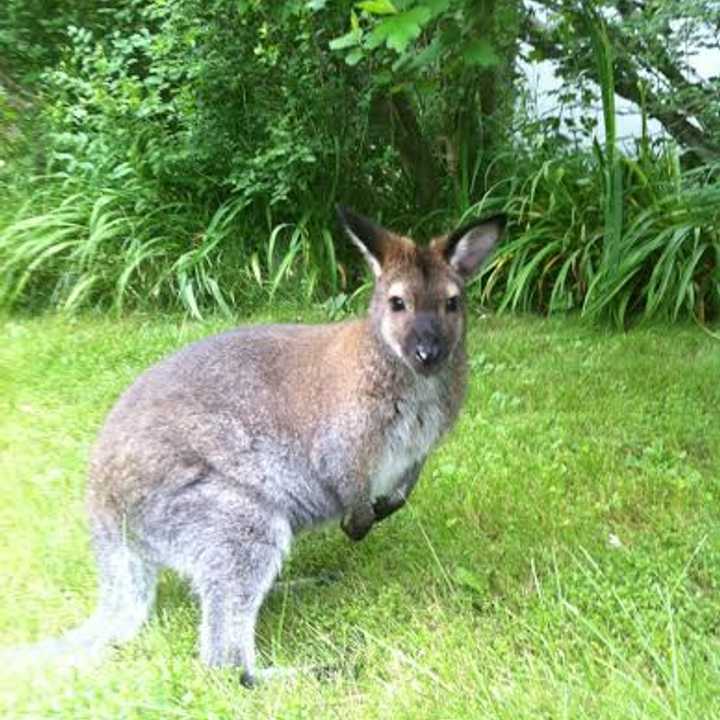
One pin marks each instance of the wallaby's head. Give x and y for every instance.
(418, 305)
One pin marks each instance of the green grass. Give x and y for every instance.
(560, 557)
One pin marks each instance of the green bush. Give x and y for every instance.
(556, 260)
(177, 144)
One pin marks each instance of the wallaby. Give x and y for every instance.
(217, 456)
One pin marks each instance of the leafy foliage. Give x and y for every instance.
(33, 33)
(556, 258)
(106, 251)
(441, 69)
(189, 154)
(164, 98)
(188, 162)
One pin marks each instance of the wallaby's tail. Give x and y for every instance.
(126, 595)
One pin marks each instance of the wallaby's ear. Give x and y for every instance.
(370, 238)
(466, 248)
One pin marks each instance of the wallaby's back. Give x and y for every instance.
(253, 405)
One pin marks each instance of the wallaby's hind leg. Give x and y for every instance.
(231, 593)
(231, 548)
(230, 607)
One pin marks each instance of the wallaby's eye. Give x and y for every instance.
(452, 304)
(397, 304)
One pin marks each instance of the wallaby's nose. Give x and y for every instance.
(427, 352)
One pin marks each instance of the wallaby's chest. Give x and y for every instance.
(417, 421)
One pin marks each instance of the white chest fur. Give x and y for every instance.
(418, 424)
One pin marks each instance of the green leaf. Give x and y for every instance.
(436, 7)
(255, 267)
(354, 56)
(378, 7)
(399, 30)
(427, 56)
(480, 52)
(350, 39)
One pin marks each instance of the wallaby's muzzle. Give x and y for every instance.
(426, 348)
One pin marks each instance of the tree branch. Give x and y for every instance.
(628, 85)
(655, 58)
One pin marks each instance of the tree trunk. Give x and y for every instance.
(395, 118)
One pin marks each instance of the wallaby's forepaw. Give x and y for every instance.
(358, 520)
(354, 528)
(386, 505)
(382, 507)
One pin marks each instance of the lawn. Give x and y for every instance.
(559, 559)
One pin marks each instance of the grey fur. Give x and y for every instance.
(217, 456)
